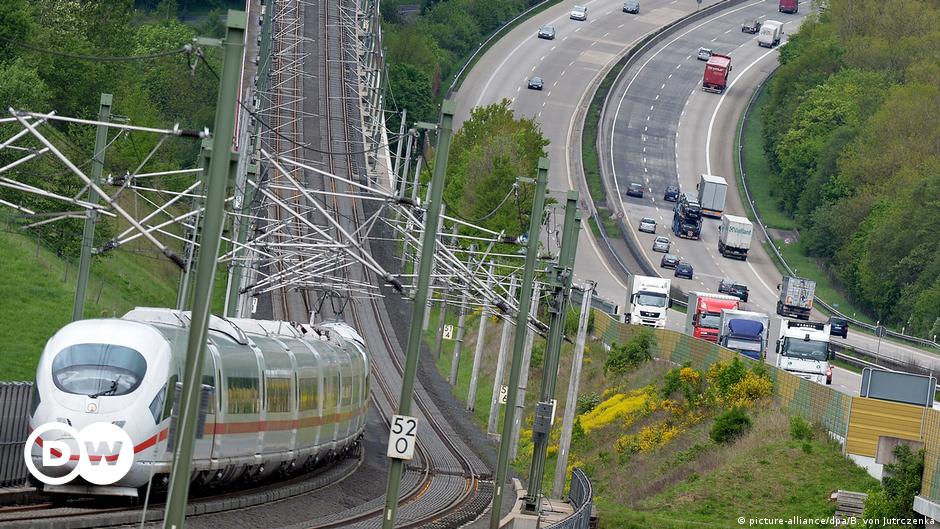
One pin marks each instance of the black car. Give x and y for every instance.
(684, 270)
(671, 194)
(751, 25)
(838, 327)
(733, 288)
(635, 190)
(631, 6)
(669, 261)
(547, 32)
(535, 83)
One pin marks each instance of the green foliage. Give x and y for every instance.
(685, 380)
(587, 402)
(577, 431)
(852, 132)
(901, 482)
(538, 354)
(729, 425)
(800, 430)
(623, 358)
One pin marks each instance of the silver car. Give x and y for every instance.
(704, 54)
(661, 244)
(578, 13)
(647, 225)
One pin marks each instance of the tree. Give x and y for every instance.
(901, 482)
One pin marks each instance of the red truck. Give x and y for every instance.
(703, 315)
(789, 6)
(716, 73)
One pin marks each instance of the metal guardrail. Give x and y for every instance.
(458, 77)
(760, 222)
(581, 495)
(14, 428)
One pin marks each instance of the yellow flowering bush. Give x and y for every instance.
(689, 376)
(749, 389)
(620, 406)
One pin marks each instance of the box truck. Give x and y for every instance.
(716, 73)
(789, 6)
(703, 315)
(803, 349)
(770, 34)
(648, 301)
(734, 236)
(745, 332)
(712, 191)
(796, 297)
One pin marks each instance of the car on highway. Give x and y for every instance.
(671, 194)
(704, 54)
(536, 83)
(669, 261)
(635, 190)
(838, 327)
(578, 13)
(631, 6)
(647, 225)
(684, 270)
(751, 25)
(661, 244)
(733, 288)
(547, 32)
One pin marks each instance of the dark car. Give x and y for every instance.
(751, 25)
(535, 83)
(684, 270)
(669, 261)
(547, 32)
(671, 194)
(733, 288)
(631, 6)
(838, 327)
(635, 190)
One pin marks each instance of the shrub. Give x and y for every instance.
(684, 379)
(800, 429)
(729, 425)
(577, 431)
(538, 354)
(749, 389)
(587, 402)
(901, 482)
(623, 358)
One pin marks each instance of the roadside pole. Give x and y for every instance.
(491, 425)
(458, 343)
(481, 338)
(429, 240)
(91, 216)
(216, 187)
(524, 376)
(571, 401)
(560, 279)
(439, 344)
(522, 319)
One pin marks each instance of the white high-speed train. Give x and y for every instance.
(276, 396)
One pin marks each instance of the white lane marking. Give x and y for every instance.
(563, 72)
(553, 48)
(644, 149)
(605, 34)
(689, 57)
(678, 66)
(577, 30)
(651, 107)
(570, 63)
(656, 98)
(621, 26)
(730, 30)
(708, 141)
(645, 129)
(533, 68)
(668, 77)
(714, 39)
(564, 39)
(663, 85)
(543, 58)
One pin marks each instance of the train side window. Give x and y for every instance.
(309, 394)
(243, 395)
(347, 391)
(278, 394)
(168, 398)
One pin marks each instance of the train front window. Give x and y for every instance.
(98, 369)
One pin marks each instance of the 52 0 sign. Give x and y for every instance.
(402, 437)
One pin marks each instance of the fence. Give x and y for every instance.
(581, 494)
(14, 416)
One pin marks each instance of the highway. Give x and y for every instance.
(570, 64)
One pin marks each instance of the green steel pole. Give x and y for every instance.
(216, 184)
(429, 240)
(91, 216)
(522, 319)
(182, 293)
(561, 277)
(236, 271)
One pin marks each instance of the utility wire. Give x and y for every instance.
(98, 58)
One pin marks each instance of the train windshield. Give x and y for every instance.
(98, 369)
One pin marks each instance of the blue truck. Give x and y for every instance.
(745, 332)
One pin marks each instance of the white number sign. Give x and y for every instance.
(402, 437)
(503, 394)
(448, 332)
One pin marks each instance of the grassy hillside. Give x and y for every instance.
(643, 436)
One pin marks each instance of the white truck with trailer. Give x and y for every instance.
(712, 191)
(648, 301)
(745, 332)
(771, 31)
(734, 236)
(803, 349)
(796, 297)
